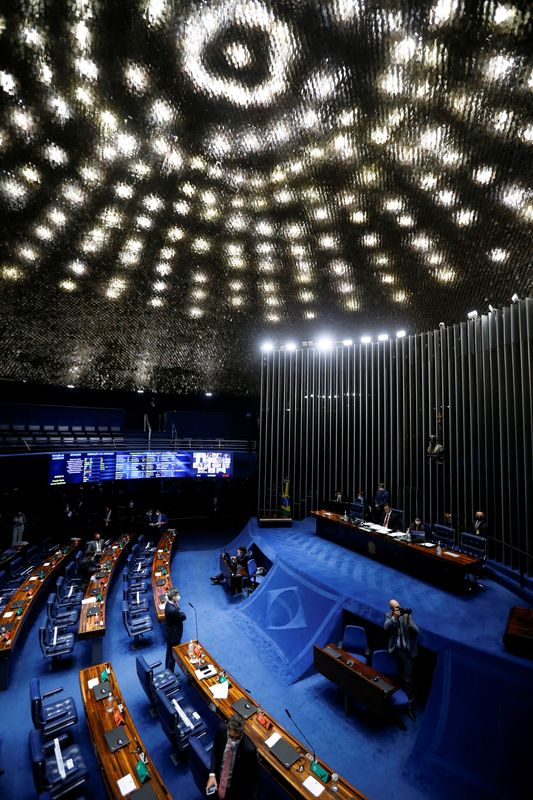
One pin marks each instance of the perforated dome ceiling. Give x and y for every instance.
(181, 179)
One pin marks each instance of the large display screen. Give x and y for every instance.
(104, 466)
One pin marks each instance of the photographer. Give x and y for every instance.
(403, 644)
(238, 563)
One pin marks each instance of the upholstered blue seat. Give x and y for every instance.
(384, 662)
(178, 725)
(135, 624)
(60, 616)
(46, 772)
(54, 642)
(137, 570)
(68, 594)
(354, 642)
(54, 717)
(153, 682)
(136, 600)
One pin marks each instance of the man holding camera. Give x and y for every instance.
(403, 644)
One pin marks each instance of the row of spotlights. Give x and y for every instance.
(326, 343)
(474, 315)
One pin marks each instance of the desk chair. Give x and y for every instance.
(136, 601)
(384, 662)
(46, 775)
(471, 544)
(200, 748)
(251, 581)
(133, 584)
(52, 718)
(354, 642)
(153, 682)
(444, 535)
(133, 569)
(55, 643)
(139, 556)
(146, 547)
(136, 624)
(60, 616)
(179, 720)
(68, 595)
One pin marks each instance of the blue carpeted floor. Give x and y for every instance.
(374, 758)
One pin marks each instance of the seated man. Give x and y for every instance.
(95, 547)
(238, 564)
(391, 519)
(479, 523)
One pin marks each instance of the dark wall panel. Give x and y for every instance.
(351, 416)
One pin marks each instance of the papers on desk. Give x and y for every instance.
(395, 535)
(126, 785)
(207, 672)
(8, 614)
(220, 690)
(428, 544)
(449, 553)
(88, 600)
(315, 787)
(271, 741)
(380, 529)
(157, 574)
(92, 682)
(34, 578)
(46, 564)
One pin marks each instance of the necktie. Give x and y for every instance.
(226, 767)
(386, 520)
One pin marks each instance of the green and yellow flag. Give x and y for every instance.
(285, 499)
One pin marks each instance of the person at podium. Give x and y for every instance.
(234, 768)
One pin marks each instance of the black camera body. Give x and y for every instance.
(405, 611)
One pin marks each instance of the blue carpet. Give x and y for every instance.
(383, 762)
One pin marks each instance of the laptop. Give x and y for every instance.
(102, 690)
(243, 707)
(285, 753)
(116, 738)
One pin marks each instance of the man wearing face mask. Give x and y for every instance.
(174, 618)
(479, 523)
(233, 773)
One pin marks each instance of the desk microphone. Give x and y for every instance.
(302, 734)
(196, 619)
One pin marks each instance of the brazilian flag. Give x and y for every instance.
(285, 499)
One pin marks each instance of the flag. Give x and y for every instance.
(285, 499)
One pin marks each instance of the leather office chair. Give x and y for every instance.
(200, 748)
(178, 725)
(471, 544)
(68, 595)
(133, 584)
(71, 574)
(60, 616)
(444, 535)
(384, 662)
(146, 547)
(136, 601)
(136, 624)
(153, 682)
(354, 642)
(252, 580)
(46, 774)
(136, 569)
(141, 556)
(53, 643)
(52, 718)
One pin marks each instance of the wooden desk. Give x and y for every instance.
(358, 680)
(93, 626)
(518, 636)
(291, 779)
(29, 593)
(161, 571)
(114, 766)
(451, 566)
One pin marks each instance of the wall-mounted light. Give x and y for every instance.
(325, 343)
(366, 339)
(267, 347)
(383, 337)
(400, 334)
(290, 346)
(515, 298)
(472, 315)
(347, 342)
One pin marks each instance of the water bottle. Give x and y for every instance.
(439, 549)
(334, 782)
(345, 517)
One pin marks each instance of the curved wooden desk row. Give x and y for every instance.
(92, 623)
(17, 611)
(373, 543)
(102, 716)
(292, 779)
(161, 580)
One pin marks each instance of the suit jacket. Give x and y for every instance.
(381, 497)
(481, 526)
(244, 779)
(410, 633)
(92, 546)
(174, 618)
(394, 521)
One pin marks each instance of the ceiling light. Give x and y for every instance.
(347, 342)
(472, 315)
(290, 346)
(267, 347)
(324, 343)
(400, 334)
(383, 337)
(515, 298)
(366, 339)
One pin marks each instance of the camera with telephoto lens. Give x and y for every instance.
(405, 611)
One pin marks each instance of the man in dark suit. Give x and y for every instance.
(238, 563)
(381, 497)
(174, 618)
(403, 644)
(95, 546)
(233, 770)
(391, 519)
(479, 523)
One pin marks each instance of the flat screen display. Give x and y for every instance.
(89, 467)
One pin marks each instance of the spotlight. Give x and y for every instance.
(472, 315)
(70, 386)
(383, 337)
(325, 343)
(140, 391)
(366, 339)
(400, 334)
(209, 394)
(267, 347)
(347, 342)
(492, 309)
(442, 324)
(515, 298)
(290, 346)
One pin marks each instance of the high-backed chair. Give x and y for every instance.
(384, 662)
(179, 719)
(146, 547)
(253, 579)
(136, 601)
(153, 682)
(136, 624)
(200, 748)
(68, 594)
(55, 643)
(133, 584)
(51, 718)
(47, 775)
(136, 569)
(139, 556)
(444, 535)
(354, 642)
(60, 616)
(471, 544)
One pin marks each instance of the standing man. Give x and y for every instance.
(381, 497)
(95, 546)
(233, 763)
(403, 644)
(159, 520)
(19, 524)
(174, 619)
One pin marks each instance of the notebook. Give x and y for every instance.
(116, 738)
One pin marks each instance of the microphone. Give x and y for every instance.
(196, 618)
(302, 734)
